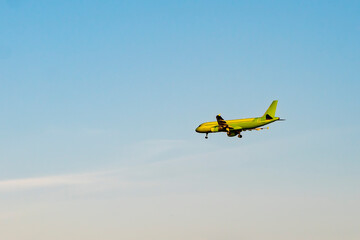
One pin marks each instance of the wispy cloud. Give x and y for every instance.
(47, 181)
(119, 178)
(147, 166)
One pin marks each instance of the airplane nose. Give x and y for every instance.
(200, 129)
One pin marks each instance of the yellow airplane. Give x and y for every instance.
(235, 127)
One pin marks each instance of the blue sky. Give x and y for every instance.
(100, 99)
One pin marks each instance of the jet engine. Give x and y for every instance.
(231, 134)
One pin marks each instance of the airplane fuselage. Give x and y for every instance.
(236, 126)
(239, 124)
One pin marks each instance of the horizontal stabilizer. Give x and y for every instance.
(258, 129)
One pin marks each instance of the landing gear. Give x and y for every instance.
(239, 136)
(206, 136)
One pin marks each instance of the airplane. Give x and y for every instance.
(235, 127)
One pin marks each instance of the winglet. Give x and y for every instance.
(218, 117)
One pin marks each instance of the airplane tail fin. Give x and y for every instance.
(270, 113)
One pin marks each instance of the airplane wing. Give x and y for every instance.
(223, 124)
